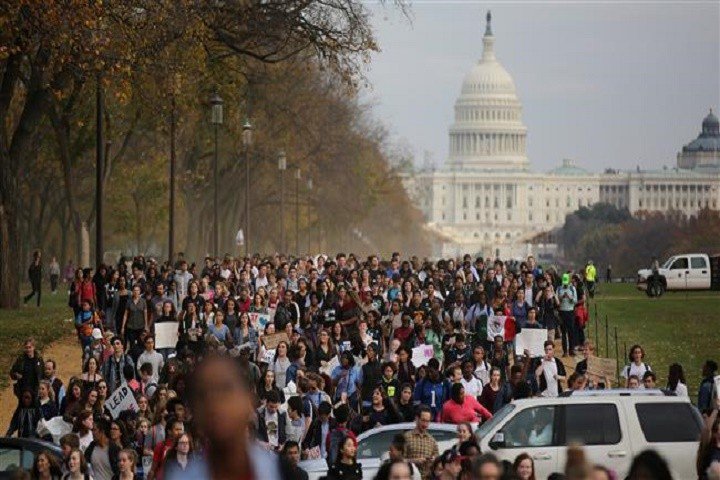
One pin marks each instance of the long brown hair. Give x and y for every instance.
(519, 459)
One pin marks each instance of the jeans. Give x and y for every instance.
(568, 329)
(54, 282)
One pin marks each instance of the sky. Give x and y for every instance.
(608, 84)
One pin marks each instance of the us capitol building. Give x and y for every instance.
(486, 199)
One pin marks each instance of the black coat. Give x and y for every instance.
(371, 375)
(113, 454)
(31, 369)
(262, 433)
(314, 436)
(340, 471)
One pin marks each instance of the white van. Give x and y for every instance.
(613, 426)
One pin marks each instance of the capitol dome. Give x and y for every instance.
(704, 151)
(488, 132)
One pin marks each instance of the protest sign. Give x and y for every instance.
(495, 327)
(271, 341)
(602, 367)
(166, 335)
(532, 339)
(421, 355)
(122, 399)
(259, 320)
(269, 356)
(330, 366)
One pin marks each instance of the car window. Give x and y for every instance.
(668, 422)
(377, 444)
(596, 424)
(532, 427)
(698, 262)
(680, 263)
(443, 435)
(28, 458)
(497, 417)
(9, 459)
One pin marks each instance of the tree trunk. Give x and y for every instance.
(9, 245)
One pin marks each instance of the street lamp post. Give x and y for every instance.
(282, 166)
(309, 187)
(297, 211)
(216, 103)
(171, 227)
(247, 138)
(99, 170)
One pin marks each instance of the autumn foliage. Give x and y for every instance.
(291, 67)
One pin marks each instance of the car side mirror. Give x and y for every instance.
(498, 441)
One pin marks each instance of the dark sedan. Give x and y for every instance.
(20, 453)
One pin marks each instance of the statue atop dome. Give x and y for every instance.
(488, 27)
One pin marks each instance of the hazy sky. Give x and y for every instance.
(608, 84)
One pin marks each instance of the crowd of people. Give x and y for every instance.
(299, 356)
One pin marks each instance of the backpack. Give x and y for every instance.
(626, 370)
(337, 438)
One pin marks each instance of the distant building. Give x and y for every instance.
(487, 200)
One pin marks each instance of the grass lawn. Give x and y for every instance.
(682, 327)
(46, 324)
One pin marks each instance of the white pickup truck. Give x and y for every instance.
(687, 271)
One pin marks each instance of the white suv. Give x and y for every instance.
(613, 425)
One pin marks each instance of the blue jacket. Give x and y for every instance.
(432, 394)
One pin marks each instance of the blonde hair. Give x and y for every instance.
(51, 391)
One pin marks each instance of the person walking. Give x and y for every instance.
(54, 271)
(35, 273)
(28, 369)
(590, 278)
(567, 296)
(420, 447)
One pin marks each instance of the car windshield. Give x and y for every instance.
(497, 417)
(668, 262)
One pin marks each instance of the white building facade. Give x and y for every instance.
(487, 200)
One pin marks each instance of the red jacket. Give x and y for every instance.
(468, 411)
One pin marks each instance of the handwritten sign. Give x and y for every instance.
(495, 327)
(330, 366)
(532, 339)
(421, 355)
(269, 356)
(602, 367)
(166, 335)
(271, 341)
(122, 399)
(259, 320)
